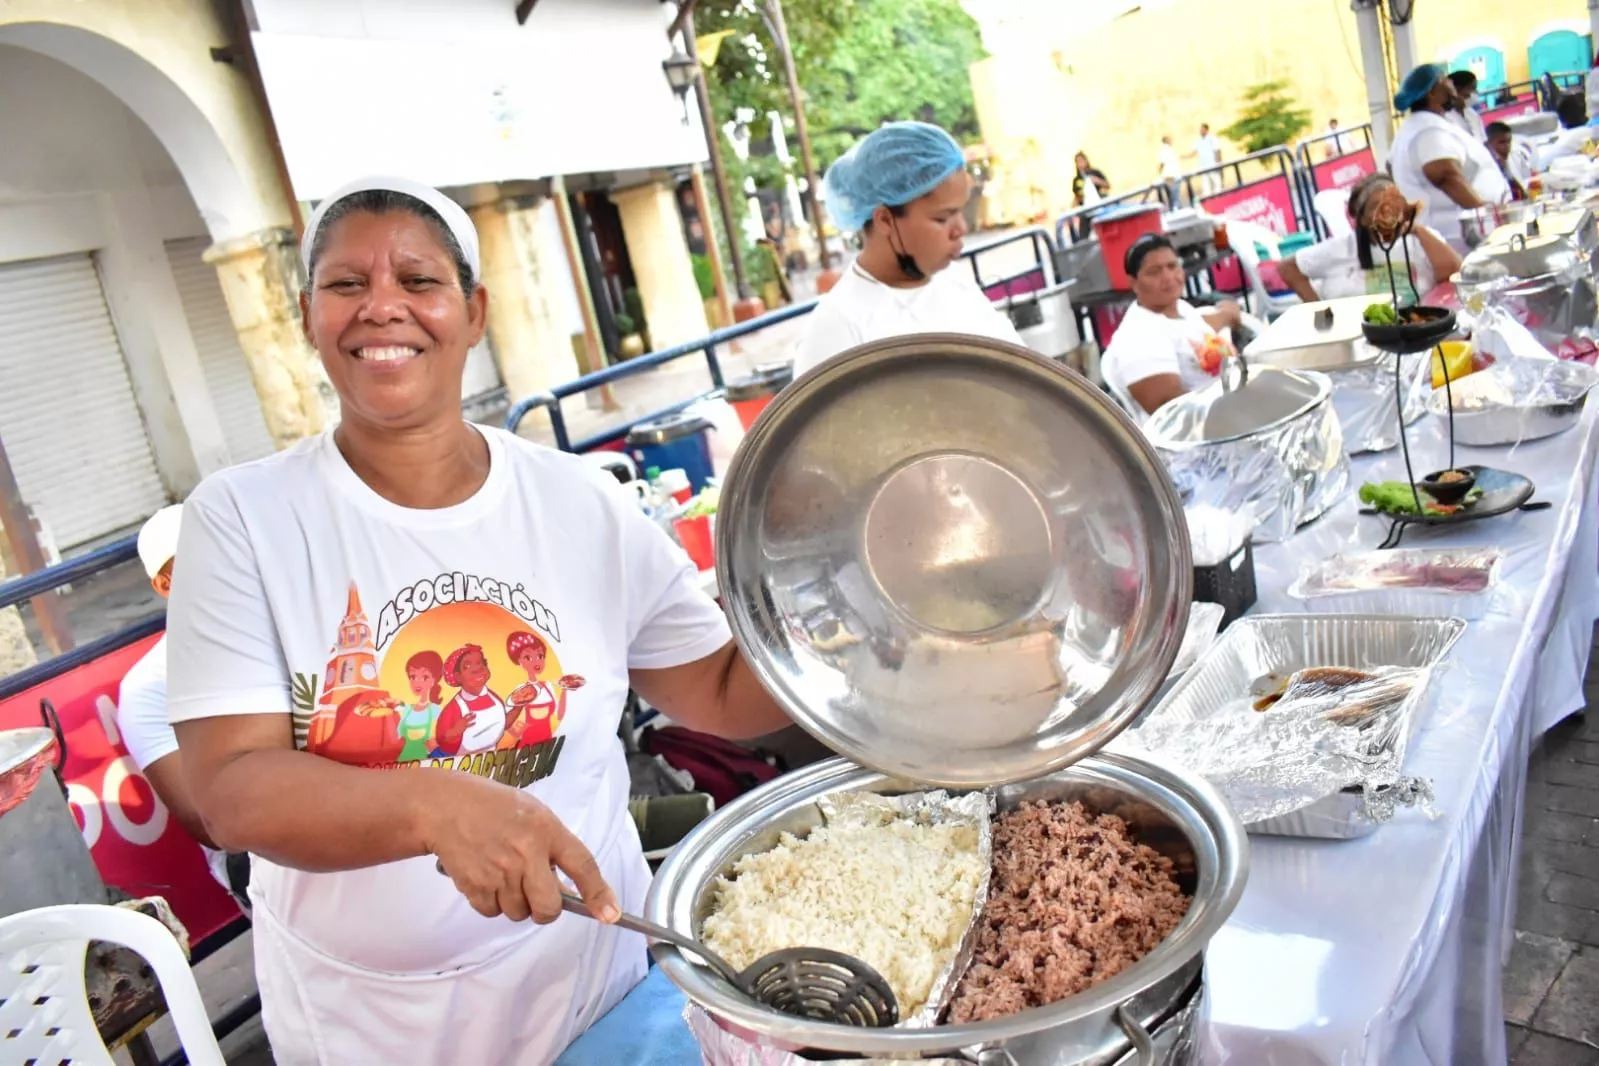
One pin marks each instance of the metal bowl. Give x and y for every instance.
(952, 560)
(1177, 814)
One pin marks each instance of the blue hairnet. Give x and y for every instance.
(891, 166)
(1417, 84)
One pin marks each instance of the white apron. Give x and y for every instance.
(323, 1011)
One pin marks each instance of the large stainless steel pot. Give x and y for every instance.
(1326, 336)
(1541, 272)
(1269, 446)
(1178, 815)
(957, 562)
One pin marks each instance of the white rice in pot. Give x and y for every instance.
(898, 895)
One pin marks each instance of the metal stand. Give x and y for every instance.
(1396, 529)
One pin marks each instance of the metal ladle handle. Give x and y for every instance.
(576, 906)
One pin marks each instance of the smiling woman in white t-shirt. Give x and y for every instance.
(334, 595)
(1354, 265)
(1165, 346)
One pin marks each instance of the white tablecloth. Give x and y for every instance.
(1388, 949)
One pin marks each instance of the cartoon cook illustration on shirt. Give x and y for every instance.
(536, 708)
(474, 719)
(450, 712)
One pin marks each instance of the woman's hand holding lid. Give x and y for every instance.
(502, 848)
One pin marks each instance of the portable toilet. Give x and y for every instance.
(1560, 51)
(1484, 60)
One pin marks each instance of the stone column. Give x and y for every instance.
(531, 347)
(653, 230)
(261, 280)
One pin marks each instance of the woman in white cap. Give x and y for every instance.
(903, 189)
(322, 591)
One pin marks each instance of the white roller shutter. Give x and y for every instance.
(227, 374)
(481, 374)
(71, 427)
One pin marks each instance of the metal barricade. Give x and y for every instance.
(1353, 158)
(1275, 201)
(551, 401)
(1143, 195)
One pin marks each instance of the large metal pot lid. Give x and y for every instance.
(1265, 399)
(953, 561)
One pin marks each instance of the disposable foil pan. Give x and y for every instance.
(1516, 400)
(1353, 584)
(1282, 644)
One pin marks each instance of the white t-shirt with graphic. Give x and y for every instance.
(394, 637)
(1147, 344)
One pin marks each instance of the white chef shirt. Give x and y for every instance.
(1425, 138)
(1147, 344)
(305, 593)
(1333, 267)
(860, 309)
(146, 733)
(1468, 122)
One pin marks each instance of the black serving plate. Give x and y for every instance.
(1412, 337)
(1502, 492)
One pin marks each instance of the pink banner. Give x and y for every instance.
(135, 843)
(1268, 202)
(1344, 171)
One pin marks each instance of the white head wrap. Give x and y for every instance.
(454, 216)
(158, 538)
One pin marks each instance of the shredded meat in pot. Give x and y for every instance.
(1072, 901)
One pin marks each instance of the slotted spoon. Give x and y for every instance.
(815, 983)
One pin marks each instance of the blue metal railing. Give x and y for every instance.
(551, 401)
(38, 674)
(28, 586)
(1157, 191)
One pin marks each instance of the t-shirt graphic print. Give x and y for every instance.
(461, 672)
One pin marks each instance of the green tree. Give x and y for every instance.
(1270, 118)
(860, 63)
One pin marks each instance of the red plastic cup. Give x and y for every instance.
(695, 536)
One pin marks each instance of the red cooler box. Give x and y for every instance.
(1117, 229)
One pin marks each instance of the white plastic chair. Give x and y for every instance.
(44, 1007)
(1333, 207)
(1244, 236)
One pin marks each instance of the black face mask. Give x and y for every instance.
(905, 261)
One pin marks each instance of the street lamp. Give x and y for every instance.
(681, 70)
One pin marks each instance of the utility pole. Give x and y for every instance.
(748, 305)
(773, 15)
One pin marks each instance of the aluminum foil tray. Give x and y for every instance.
(1281, 644)
(1351, 584)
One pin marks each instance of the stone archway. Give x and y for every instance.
(253, 253)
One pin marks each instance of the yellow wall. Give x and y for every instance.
(1113, 91)
(176, 36)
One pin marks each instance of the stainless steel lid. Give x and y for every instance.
(953, 561)
(1325, 335)
(667, 429)
(1225, 411)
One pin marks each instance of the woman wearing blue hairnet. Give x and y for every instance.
(904, 190)
(1435, 162)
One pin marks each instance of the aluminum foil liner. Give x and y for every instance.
(1309, 745)
(1364, 399)
(1553, 306)
(1281, 478)
(1516, 399)
(722, 1047)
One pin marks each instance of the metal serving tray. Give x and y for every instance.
(1281, 644)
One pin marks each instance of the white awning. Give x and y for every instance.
(459, 94)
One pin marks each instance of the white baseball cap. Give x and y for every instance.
(158, 539)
